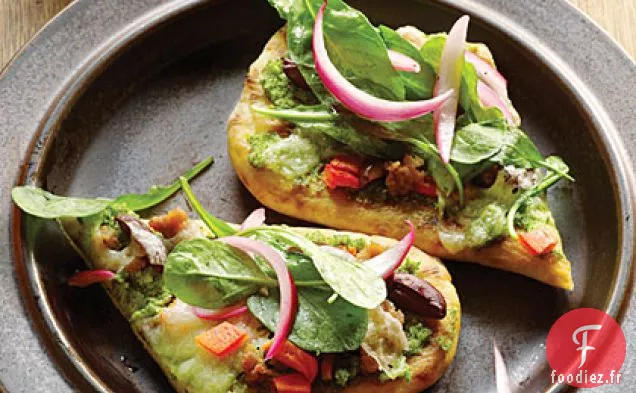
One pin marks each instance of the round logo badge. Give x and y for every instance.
(586, 348)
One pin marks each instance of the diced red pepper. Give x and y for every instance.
(349, 164)
(297, 359)
(539, 241)
(222, 339)
(334, 178)
(426, 187)
(343, 171)
(326, 367)
(292, 383)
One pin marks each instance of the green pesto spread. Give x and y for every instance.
(140, 294)
(535, 213)
(280, 90)
(483, 220)
(410, 266)
(347, 369)
(417, 335)
(337, 240)
(399, 368)
(486, 221)
(445, 340)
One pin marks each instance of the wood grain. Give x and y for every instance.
(21, 19)
(617, 17)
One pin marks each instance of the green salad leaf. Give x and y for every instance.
(518, 150)
(469, 98)
(211, 274)
(313, 113)
(353, 281)
(431, 53)
(319, 326)
(358, 142)
(300, 265)
(158, 194)
(354, 47)
(476, 142)
(560, 170)
(219, 227)
(418, 85)
(282, 6)
(43, 204)
(446, 176)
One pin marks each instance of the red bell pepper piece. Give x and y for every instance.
(349, 164)
(343, 171)
(334, 178)
(292, 383)
(297, 359)
(222, 339)
(326, 367)
(426, 187)
(538, 241)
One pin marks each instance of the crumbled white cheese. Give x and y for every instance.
(385, 340)
(194, 229)
(524, 178)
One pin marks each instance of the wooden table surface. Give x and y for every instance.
(21, 19)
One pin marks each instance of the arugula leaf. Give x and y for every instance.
(299, 34)
(354, 46)
(476, 142)
(493, 142)
(43, 204)
(360, 143)
(158, 194)
(319, 326)
(320, 119)
(313, 113)
(300, 266)
(469, 98)
(282, 6)
(353, 281)
(518, 150)
(431, 53)
(418, 85)
(211, 274)
(560, 170)
(219, 227)
(446, 176)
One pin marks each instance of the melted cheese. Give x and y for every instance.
(385, 340)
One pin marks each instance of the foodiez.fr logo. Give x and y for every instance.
(586, 348)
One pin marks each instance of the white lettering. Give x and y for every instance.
(584, 347)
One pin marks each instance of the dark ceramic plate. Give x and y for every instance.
(144, 104)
